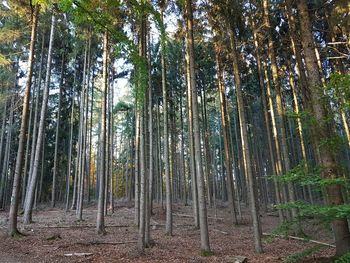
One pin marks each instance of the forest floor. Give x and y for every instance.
(54, 234)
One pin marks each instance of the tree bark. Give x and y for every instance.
(12, 226)
(53, 194)
(169, 216)
(100, 222)
(28, 205)
(203, 223)
(333, 192)
(246, 149)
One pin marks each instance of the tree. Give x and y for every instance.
(191, 89)
(12, 227)
(100, 225)
(324, 129)
(29, 199)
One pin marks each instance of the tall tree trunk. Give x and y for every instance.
(266, 116)
(12, 226)
(334, 191)
(69, 169)
(151, 148)
(100, 224)
(226, 135)
(137, 166)
(296, 47)
(192, 165)
(28, 206)
(203, 223)
(280, 110)
(4, 171)
(169, 215)
(2, 139)
(36, 113)
(246, 149)
(111, 147)
(53, 194)
(81, 169)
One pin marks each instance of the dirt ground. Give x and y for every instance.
(56, 233)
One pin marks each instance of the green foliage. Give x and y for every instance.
(343, 259)
(306, 117)
(206, 253)
(281, 230)
(340, 83)
(334, 143)
(296, 257)
(103, 17)
(323, 213)
(121, 106)
(305, 174)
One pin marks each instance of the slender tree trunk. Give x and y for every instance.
(246, 149)
(137, 167)
(280, 110)
(81, 169)
(203, 223)
(151, 148)
(35, 128)
(226, 134)
(53, 196)
(28, 206)
(3, 131)
(111, 146)
(296, 47)
(169, 216)
(12, 226)
(266, 116)
(100, 224)
(69, 170)
(5, 170)
(29, 135)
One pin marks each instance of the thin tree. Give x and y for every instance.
(12, 226)
(168, 190)
(203, 220)
(28, 204)
(100, 224)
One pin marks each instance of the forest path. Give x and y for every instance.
(56, 233)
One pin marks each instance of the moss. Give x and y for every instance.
(206, 253)
(15, 234)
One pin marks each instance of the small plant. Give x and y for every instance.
(343, 259)
(296, 257)
(206, 253)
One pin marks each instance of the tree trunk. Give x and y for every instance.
(280, 110)
(12, 226)
(266, 116)
(226, 135)
(69, 170)
(169, 216)
(53, 196)
(333, 192)
(246, 149)
(203, 223)
(28, 206)
(100, 224)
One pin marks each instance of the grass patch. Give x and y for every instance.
(206, 253)
(296, 257)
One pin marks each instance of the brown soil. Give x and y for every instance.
(56, 233)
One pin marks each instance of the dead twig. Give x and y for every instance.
(96, 242)
(209, 217)
(78, 254)
(83, 226)
(301, 239)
